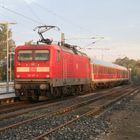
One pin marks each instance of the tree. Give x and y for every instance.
(3, 49)
(133, 64)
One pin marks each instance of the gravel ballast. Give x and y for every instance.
(87, 128)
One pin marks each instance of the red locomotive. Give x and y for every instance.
(48, 70)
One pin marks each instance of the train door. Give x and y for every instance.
(64, 70)
(58, 64)
(57, 68)
(92, 71)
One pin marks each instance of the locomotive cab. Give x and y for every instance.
(32, 70)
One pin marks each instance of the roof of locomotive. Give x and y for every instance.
(42, 46)
(107, 64)
(36, 46)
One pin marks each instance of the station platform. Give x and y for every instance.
(3, 91)
(7, 95)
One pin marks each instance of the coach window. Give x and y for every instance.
(58, 56)
(100, 69)
(93, 69)
(124, 73)
(103, 70)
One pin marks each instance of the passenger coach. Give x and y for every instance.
(107, 74)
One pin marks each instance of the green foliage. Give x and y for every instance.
(132, 64)
(137, 73)
(3, 50)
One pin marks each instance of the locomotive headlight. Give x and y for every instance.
(17, 86)
(44, 86)
(18, 76)
(47, 76)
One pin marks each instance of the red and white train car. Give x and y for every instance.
(106, 74)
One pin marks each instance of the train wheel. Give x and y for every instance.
(64, 91)
(34, 98)
(69, 92)
(73, 90)
(77, 90)
(56, 92)
(23, 98)
(86, 88)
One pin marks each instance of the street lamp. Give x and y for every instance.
(7, 47)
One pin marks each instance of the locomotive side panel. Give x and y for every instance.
(76, 69)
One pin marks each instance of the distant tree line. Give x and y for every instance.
(133, 65)
(3, 51)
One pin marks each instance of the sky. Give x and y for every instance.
(114, 24)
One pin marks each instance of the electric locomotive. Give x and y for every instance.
(48, 70)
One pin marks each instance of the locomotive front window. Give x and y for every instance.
(41, 55)
(25, 55)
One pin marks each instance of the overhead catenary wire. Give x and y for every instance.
(22, 15)
(12, 19)
(32, 11)
(60, 17)
(38, 21)
(17, 13)
(46, 9)
(35, 21)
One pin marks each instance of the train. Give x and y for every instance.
(48, 70)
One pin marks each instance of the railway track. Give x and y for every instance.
(19, 108)
(66, 110)
(101, 107)
(8, 107)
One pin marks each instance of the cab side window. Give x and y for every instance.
(58, 56)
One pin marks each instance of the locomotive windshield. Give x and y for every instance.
(24, 55)
(28, 55)
(41, 55)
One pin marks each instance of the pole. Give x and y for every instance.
(10, 66)
(62, 39)
(7, 46)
